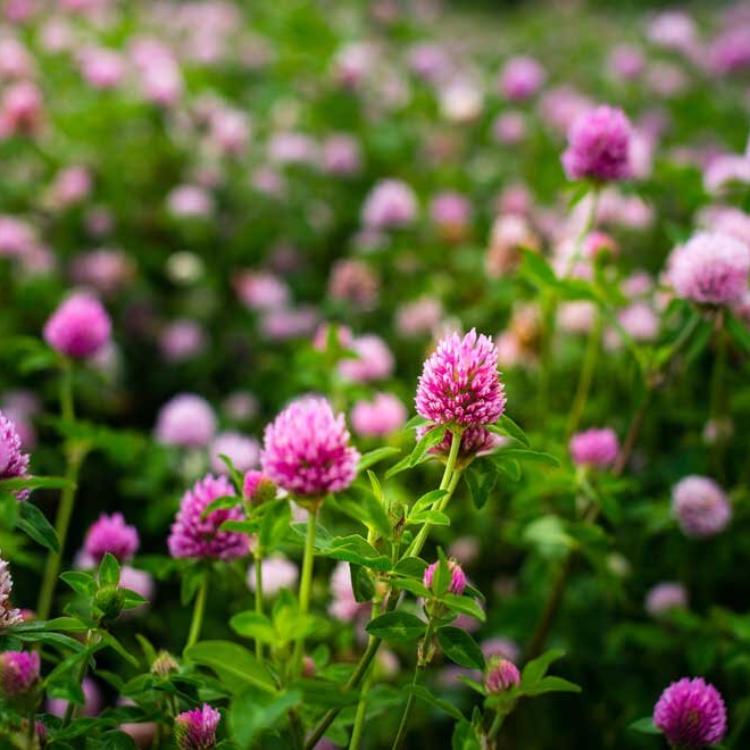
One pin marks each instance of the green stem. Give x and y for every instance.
(74, 455)
(359, 718)
(416, 546)
(373, 644)
(71, 707)
(593, 347)
(259, 597)
(305, 584)
(199, 609)
(717, 398)
(402, 727)
(448, 482)
(497, 723)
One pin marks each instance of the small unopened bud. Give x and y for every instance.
(458, 577)
(502, 674)
(308, 667)
(164, 664)
(19, 676)
(258, 488)
(110, 600)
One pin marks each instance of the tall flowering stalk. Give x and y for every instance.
(79, 329)
(306, 452)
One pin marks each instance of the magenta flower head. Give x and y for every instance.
(196, 729)
(712, 268)
(79, 328)
(19, 674)
(598, 146)
(458, 577)
(691, 713)
(521, 78)
(460, 384)
(196, 536)
(700, 506)
(596, 448)
(13, 461)
(306, 449)
(502, 674)
(8, 614)
(257, 487)
(111, 534)
(187, 420)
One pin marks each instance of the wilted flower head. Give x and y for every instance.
(458, 578)
(80, 327)
(691, 713)
(243, 452)
(390, 204)
(306, 449)
(381, 416)
(700, 506)
(196, 729)
(8, 614)
(712, 268)
(13, 461)
(665, 597)
(111, 534)
(502, 674)
(460, 383)
(186, 420)
(196, 536)
(19, 673)
(164, 664)
(599, 146)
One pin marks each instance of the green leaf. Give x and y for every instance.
(463, 604)
(35, 483)
(524, 454)
(414, 422)
(481, 483)
(80, 581)
(442, 575)
(220, 503)
(109, 571)
(374, 457)
(426, 501)
(551, 685)
(645, 725)
(274, 525)
(356, 549)
(508, 466)
(396, 627)
(460, 647)
(506, 426)
(253, 711)
(235, 666)
(425, 695)
(411, 567)
(535, 269)
(427, 441)
(362, 584)
(253, 625)
(739, 332)
(465, 737)
(537, 668)
(434, 517)
(412, 585)
(33, 522)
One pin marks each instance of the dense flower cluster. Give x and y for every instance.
(460, 384)
(196, 729)
(111, 534)
(691, 713)
(306, 449)
(195, 534)
(80, 327)
(14, 462)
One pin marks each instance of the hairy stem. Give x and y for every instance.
(586, 377)
(259, 597)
